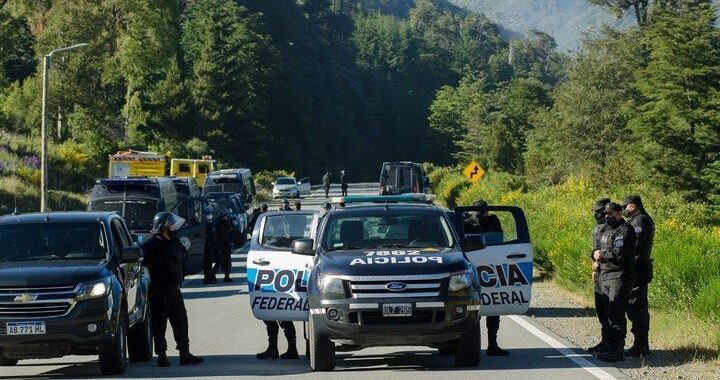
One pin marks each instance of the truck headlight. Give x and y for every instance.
(330, 284)
(461, 281)
(94, 289)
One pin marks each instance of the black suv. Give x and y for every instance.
(72, 284)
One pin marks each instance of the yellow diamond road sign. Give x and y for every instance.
(474, 172)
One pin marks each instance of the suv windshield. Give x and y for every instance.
(285, 181)
(52, 241)
(223, 203)
(387, 229)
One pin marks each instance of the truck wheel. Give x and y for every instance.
(140, 341)
(7, 362)
(113, 356)
(322, 350)
(467, 351)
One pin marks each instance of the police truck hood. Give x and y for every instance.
(387, 261)
(50, 273)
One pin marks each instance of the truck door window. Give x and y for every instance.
(497, 226)
(279, 231)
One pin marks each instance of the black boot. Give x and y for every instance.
(640, 347)
(611, 357)
(271, 352)
(228, 279)
(291, 352)
(162, 361)
(599, 348)
(493, 348)
(186, 358)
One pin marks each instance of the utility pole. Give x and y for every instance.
(43, 149)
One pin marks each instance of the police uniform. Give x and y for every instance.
(617, 276)
(597, 233)
(209, 252)
(225, 233)
(637, 310)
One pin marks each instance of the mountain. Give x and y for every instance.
(566, 20)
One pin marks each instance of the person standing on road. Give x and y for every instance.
(210, 248)
(326, 183)
(344, 183)
(298, 206)
(256, 215)
(616, 257)
(225, 233)
(599, 209)
(165, 256)
(285, 206)
(637, 311)
(484, 223)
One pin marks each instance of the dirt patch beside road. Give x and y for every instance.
(573, 318)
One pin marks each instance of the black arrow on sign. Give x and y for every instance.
(475, 171)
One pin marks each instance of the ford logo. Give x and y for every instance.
(396, 286)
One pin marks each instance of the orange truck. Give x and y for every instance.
(131, 163)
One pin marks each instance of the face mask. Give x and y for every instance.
(626, 213)
(600, 217)
(612, 222)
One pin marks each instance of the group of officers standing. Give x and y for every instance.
(622, 268)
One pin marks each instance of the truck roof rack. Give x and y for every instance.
(402, 198)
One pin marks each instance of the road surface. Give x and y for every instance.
(223, 330)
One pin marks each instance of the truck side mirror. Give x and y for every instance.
(303, 247)
(130, 254)
(473, 243)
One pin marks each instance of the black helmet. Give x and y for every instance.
(166, 220)
(327, 206)
(600, 204)
(224, 213)
(285, 202)
(264, 207)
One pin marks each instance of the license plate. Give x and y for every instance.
(397, 310)
(26, 328)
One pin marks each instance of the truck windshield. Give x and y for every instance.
(52, 241)
(387, 229)
(138, 213)
(285, 181)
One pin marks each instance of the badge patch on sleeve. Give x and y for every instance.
(638, 230)
(619, 243)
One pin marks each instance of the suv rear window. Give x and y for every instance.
(52, 241)
(388, 229)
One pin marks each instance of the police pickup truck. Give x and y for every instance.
(389, 271)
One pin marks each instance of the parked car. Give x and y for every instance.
(286, 187)
(72, 284)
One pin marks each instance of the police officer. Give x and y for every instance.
(326, 183)
(263, 209)
(616, 257)
(210, 248)
(483, 222)
(165, 256)
(343, 183)
(598, 210)
(225, 233)
(637, 311)
(298, 206)
(285, 206)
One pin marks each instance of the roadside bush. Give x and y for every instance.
(686, 250)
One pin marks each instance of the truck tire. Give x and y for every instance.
(7, 362)
(140, 341)
(322, 351)
(467, 351)
(113, 356)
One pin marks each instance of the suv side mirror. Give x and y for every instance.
(473, 243)
(303, 247)
(130, 254)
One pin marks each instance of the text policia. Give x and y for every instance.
(278, 281)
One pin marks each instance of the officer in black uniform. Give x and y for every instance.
(326, 183)
(344, 183)
(298, 206)
(225, 233)
(616, 257)
(483, 223)
(165, 256)
(210, 248)
(285, 206)
(637, 311)
(598, 210)
(263, 209)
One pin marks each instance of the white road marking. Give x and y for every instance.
(564, 350)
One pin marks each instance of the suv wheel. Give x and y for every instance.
(7, 362)
(467, 351)
(140, 340)
(113, 356)
(322, 350)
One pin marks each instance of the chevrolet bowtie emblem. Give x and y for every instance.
(26, 297)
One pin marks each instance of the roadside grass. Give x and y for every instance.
(14, 191)
(685, 291)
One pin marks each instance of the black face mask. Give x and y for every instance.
(626, 213)
(600, 217)
(612, 222)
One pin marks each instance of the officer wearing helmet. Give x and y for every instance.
(210, 249)
(298, 206)
(165, 255)
(285, 205)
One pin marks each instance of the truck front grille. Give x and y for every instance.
(36, 302)
(34, 309)
(379, 286)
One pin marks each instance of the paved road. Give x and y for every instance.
(223, 330)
